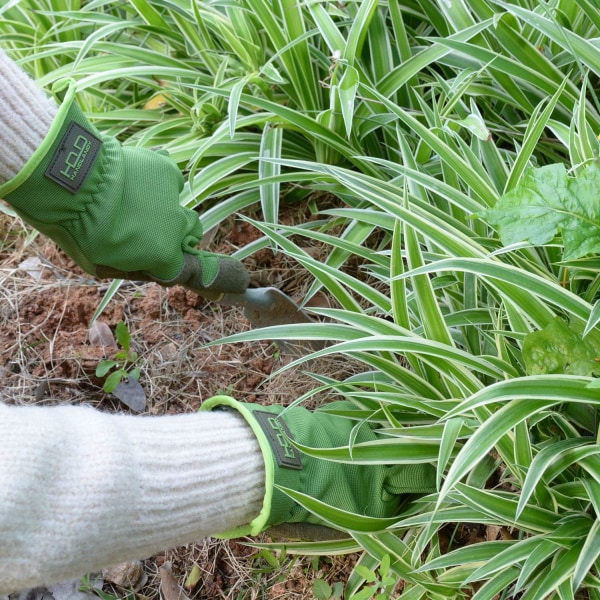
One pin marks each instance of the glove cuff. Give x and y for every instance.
(47, 143)
(283, 464)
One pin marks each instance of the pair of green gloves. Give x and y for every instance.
(115, 211)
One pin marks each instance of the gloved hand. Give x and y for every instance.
(369, 490)
(115, 209)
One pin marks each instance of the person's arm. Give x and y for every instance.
(81, 490)
(113, 208)
(26, 115)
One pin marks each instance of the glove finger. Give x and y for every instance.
(200, 273)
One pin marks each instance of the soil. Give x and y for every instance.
(47, 357)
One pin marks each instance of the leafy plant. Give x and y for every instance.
(381, 581)
(323, 591)
(433, 125)
(547, 202)
(562, 348)
(121, 366)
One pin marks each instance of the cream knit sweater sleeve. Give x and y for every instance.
(80, 489)
(25, 117)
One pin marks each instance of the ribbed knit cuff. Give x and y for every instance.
(26, 115)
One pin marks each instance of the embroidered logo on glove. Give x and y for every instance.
(74, 158)
(286, 455)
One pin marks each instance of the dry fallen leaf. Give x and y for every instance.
(158, 101)
(319, 300)
(33, 266)
(130, 575)
(169, 588)
(131, 393)
(101, 335)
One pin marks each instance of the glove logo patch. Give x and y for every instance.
(286, 454)
(74, 158)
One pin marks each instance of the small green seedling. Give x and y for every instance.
(382, 581)
(122, 361)
(323, 591)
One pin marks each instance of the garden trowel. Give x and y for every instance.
(265, 307)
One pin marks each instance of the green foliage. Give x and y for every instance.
(547, 202)
(436, 126)
(323, 591)
(123, 359)
(380, 581)
(562, 348)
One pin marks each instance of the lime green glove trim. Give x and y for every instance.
(31, 165)
(261, 521)
(277, 506)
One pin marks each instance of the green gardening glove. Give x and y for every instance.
(368, 490)
(115, 209)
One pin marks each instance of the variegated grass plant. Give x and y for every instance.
(418, 116)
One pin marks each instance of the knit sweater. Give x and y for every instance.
(81, 490)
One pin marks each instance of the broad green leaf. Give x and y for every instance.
(561, 348)
(548, 202)
(113, 380)
(123, 336)
(367, 574)
(104, 367)
(321, 589)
